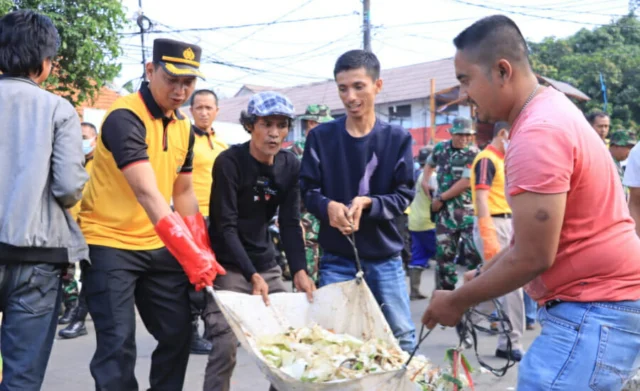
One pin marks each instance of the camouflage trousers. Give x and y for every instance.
(70, 287)
(312, 255)
(452, 242)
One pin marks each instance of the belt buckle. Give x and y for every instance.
(552, 303)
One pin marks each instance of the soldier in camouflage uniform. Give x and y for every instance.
(453, 204)
(314, 115)
(620, 143)
(70, 293)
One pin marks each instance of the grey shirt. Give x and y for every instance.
(42, 175)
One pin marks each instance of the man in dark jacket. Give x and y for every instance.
(357, 178)
(42, 161)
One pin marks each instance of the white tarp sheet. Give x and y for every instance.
(347, 307)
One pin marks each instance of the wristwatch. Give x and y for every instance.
(439, 198)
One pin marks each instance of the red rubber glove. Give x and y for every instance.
(198, 228)
(489, 236)
(196, 263)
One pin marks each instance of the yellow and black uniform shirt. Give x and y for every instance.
(487, 173)
(206, 149)
(135, 130)
(76, 209)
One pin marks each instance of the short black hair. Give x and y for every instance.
(248, 120)
(90, 125)
(499, 126)
(26, 40)
(203, 91)
(595, 115)
(356, 59)
(493, 38)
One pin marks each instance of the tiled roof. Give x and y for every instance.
(252, 89)
(103, 101)
(401, 84)
(565, 88)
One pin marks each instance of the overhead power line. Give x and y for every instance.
(263, 27)
(525, 13)
(242, 26)
(536, 8)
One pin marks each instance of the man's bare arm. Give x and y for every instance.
(428, 172)
(537, 224)
(634, 206)
(184, 197)
(142, 181)
(482, 203)
(457, 189)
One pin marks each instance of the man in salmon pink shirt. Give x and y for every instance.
(574, 247)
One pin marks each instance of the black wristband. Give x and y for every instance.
(478, 271)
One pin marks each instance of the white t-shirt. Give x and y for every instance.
(632, 171)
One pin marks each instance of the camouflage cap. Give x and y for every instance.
(318, 113)
(462, 126)
(622, 138)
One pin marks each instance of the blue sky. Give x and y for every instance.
(284, 54)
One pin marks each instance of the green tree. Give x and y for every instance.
(613, 50)
(90, 43)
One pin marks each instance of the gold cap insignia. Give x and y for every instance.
(188, 54)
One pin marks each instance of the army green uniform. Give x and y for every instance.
(626, 139)
(310, 224)
(70, 289)
(454, 222)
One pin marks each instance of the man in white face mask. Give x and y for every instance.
(89, 135)
(492, 230)
(74, 302)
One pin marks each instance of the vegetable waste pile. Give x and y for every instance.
(316, 355)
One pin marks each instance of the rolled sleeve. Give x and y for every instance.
(485, 171)
(124, 134)
(540, 160)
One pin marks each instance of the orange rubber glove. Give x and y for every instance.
(489, 237)
(198, 228)
(196, 263)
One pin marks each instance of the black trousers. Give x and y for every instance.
(197, 302)
(157, 285)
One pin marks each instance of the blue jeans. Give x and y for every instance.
(29, 301)
(386, 279)
(583, 346)
(530, 309)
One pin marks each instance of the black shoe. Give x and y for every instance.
(516, 355)
(67, 316)
(199, 345)
(73, 330)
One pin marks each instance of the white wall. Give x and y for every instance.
(94, 116)
(231, 133)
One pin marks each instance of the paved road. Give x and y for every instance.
(69, 365)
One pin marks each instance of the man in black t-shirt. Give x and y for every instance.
(250, 182)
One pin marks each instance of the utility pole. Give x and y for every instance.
(432, 109)
(366, 25)
(140, 21)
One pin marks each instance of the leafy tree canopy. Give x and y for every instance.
(90, 44)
